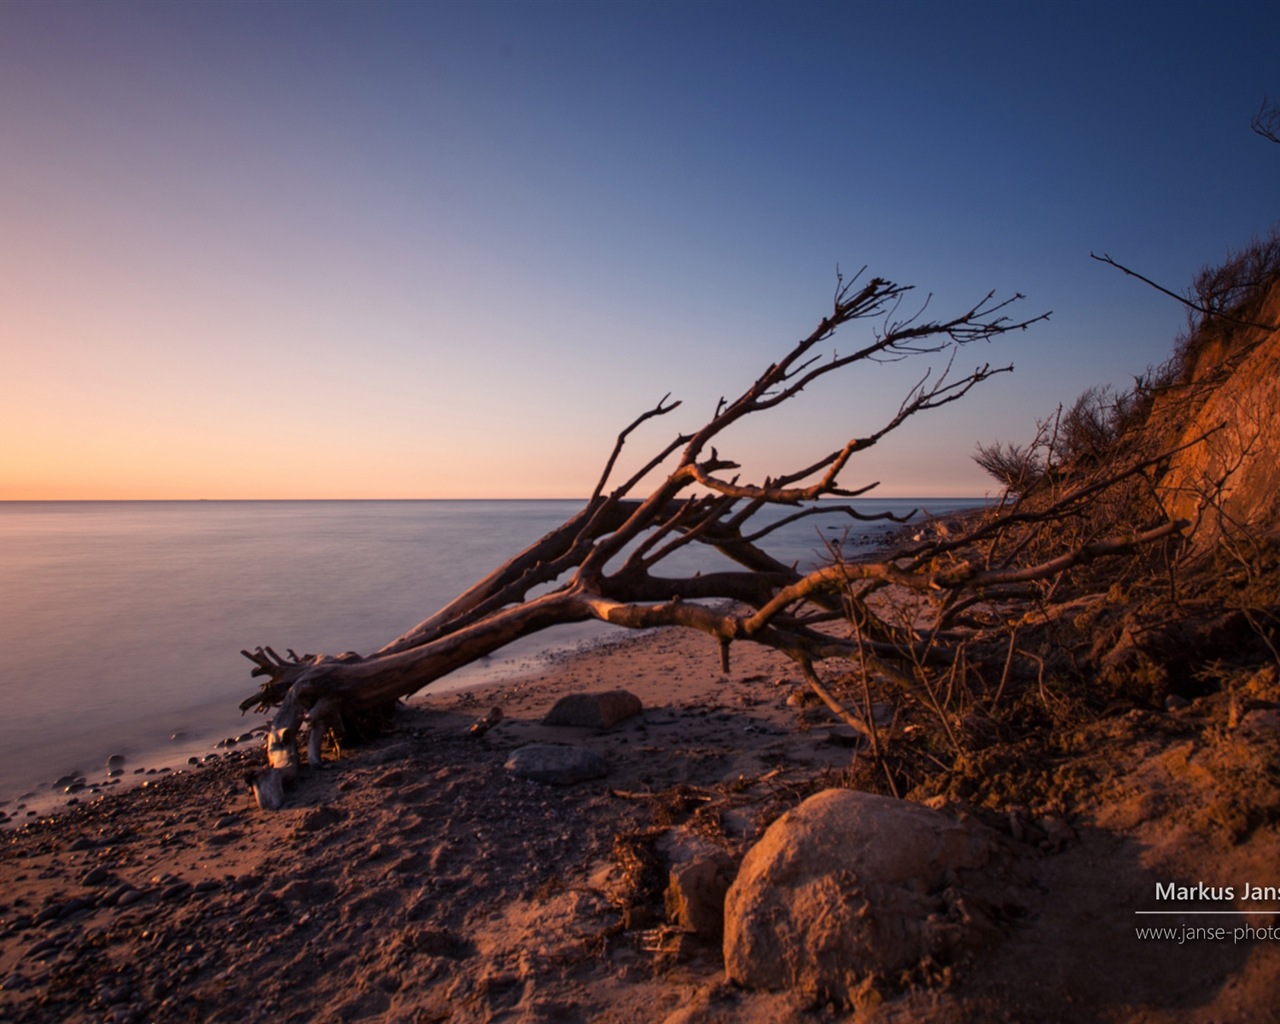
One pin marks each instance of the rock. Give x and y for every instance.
(95, 876)
(55, 910)
(176, 891)
(42, 950)
(845, 736)
(482, 725)
(76, 904)
(115, 763)
(556, 763)
(601, 710)
(268, 788)
(850, 888)
(320, 818)
(699, 876)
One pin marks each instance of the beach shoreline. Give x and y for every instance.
(196, 747)
(88, 890)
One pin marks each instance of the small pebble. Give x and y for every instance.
(177, 891)
(39, 950)
(117, 894)
(76, 904)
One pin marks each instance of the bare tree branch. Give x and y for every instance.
(602, 563)
(1266, 122)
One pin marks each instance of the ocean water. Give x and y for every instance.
(121, 623)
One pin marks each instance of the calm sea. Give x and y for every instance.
(121, 622)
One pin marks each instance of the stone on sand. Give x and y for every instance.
(599, 710)
(699, 876)
(851, 887)
(556, 763)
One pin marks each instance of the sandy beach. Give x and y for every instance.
(417, 879)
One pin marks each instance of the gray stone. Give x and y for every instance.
(600, 710)
(852, 888)
(556, 764)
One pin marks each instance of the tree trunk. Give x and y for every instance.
(600, 564)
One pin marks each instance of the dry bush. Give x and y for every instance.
(1222, 300)
(1027, 666)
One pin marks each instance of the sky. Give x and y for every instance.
(446, 250)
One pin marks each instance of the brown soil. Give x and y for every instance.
(418, 880)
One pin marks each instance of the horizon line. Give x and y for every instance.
(73, 501)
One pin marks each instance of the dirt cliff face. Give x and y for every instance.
(1229, 483)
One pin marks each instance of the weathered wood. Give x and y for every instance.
(600, 564)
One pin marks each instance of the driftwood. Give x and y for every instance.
(603, 562)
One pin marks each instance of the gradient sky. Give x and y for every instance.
(332, 250)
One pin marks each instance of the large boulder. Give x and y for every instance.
(851, 888)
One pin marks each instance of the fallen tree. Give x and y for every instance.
(603, 563)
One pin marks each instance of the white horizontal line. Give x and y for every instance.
(1230, 912)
